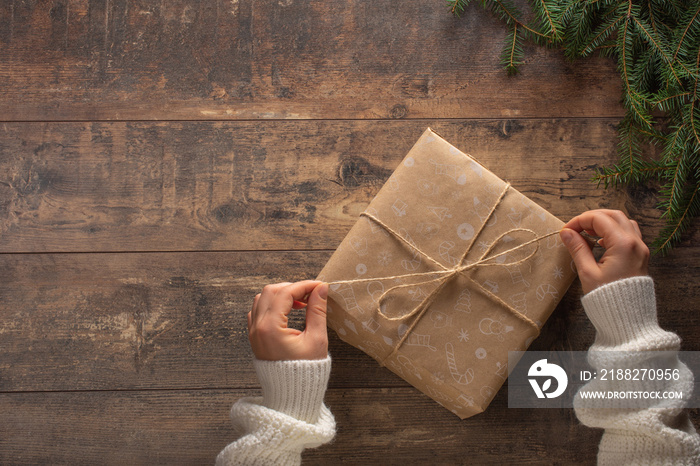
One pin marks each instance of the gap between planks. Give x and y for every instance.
(278, 120)
(181, 251)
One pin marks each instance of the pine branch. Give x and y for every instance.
(553, 29)
(674, 145)
(672, 233)
(674, 189)
(603, 32)
(692, 21)
(634, 101)
(509, 14)
(675, 100)
(457, 6)
(695, 99)
(612, 177)
(512, 53)
(656, 44)
(651, 17)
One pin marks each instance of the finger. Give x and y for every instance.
(596, 222)
(250, 320)
(617, 215)
(277, 300)
(284, 299)
(316, 310)
(579, 249)
(297, 291)
(267, 297)
(621, 218)
(298, 304)
(636, 227)
(253, 310)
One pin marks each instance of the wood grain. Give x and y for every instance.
(376, 426)
(177, 320)
(161, 320)
(139, 186)
(271, 59)
(160, 162)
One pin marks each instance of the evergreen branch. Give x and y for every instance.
(458, 6)
(672, 144)
(677, 11)
(678, 226)
(632, 97)
(651, 17)
(618, 175)
(511, 61)
(656, 44)
(552, 27)
(653, 135)
(695, 99)
(635, 102)
(692, 120)
(676, 185)
(685, 31)
(593, 44)
(659, 102)
(515, 20)
(512, 53)
(564, 18)
(630, 152)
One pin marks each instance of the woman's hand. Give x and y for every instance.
(625, 256)
(269, 335)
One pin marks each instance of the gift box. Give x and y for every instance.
(447, 270)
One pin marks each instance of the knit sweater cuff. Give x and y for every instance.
(295, 388)
(624, 314)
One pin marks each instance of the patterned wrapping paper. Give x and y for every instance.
(447, 332)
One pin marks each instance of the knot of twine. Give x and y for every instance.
(444, 275)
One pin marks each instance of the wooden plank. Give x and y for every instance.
(137, 320)
(125, 321)
(148, 427)
(136, 186)
(262, 59)
(177, 320)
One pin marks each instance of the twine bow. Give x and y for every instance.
(444, 275)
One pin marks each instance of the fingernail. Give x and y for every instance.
(566, 235)
(323, 291)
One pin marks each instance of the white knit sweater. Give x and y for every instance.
(291, 415)
(624, 315)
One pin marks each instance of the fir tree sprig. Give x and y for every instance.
(656, 44)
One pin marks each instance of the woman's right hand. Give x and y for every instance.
(625, 255)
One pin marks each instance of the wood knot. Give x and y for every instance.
(356, 171)
(398, 112)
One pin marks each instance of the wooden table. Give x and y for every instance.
(161, 161)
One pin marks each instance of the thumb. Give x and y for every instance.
(579, 249)
(316, 310)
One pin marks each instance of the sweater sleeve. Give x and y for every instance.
(624, 316)
(289, 417)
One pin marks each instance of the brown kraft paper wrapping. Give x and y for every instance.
(447, 270)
